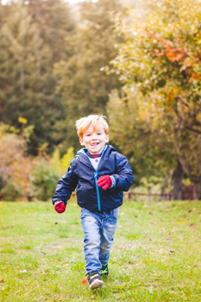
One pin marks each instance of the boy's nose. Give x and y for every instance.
(94, 136)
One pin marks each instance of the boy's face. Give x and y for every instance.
(94, 141)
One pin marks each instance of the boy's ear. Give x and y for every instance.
(81, 141)
(107, 138)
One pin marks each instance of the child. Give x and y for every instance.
(101, 174)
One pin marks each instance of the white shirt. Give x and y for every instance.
(94, 162)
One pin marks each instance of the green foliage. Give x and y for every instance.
(47, 172)
(31, 41)
(152, 184)
(53, 71)
(83, 84)
(62, 164)
(55, 23)
(131, 130)
(162, 61)
(55, 161)
(25, 177)
(66, 159)
(43, 181)
(34, 37)
(11, 190)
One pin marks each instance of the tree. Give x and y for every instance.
(54, 24)
(83, 85)
(161, 58)
(132, 131)
(31, 42)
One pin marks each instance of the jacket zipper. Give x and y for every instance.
(95, 176)
(97, 187)
(97, 191)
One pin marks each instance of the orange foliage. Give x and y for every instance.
(15, 166)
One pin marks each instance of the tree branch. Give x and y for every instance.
(192, 129)
(194, 121)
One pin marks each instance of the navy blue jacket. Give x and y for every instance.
(81, 174)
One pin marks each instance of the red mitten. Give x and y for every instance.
(60, 207)
(105, 182)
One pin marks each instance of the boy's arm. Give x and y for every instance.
(65, 187)
(121, 181)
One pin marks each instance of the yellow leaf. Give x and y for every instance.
(22, 120)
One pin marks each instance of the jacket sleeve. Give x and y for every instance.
(123, 178)
(66, 185)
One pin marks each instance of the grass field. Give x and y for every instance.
(156, 255)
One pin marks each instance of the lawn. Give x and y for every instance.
(156, 255)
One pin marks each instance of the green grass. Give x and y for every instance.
(156, 254)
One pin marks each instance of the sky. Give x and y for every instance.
(76, 1)
(69, 1)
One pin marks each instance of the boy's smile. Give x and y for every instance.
(94, 141)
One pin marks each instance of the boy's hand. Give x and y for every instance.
(60, 207)
(105, 182)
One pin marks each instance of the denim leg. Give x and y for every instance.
(91, 229)
(98, 231)
(107, 232)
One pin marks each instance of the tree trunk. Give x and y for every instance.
(22, 79)
(196, 191)
(178, 177)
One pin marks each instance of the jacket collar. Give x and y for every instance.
(82, 157)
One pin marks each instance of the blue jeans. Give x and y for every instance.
(98, 231)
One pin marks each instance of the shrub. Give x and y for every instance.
(43, 181)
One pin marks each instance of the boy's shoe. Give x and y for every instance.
(95, 280)
(104, 270)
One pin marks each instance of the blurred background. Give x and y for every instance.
(137, 62)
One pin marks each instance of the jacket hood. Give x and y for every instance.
(106, 148)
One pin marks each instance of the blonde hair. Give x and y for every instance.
(97, 121)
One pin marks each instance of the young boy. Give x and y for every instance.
(101, 174)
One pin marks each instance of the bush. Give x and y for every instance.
(11, 191)
(43, 181)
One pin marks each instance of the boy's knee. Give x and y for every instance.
(106, 247)
(92, 241)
